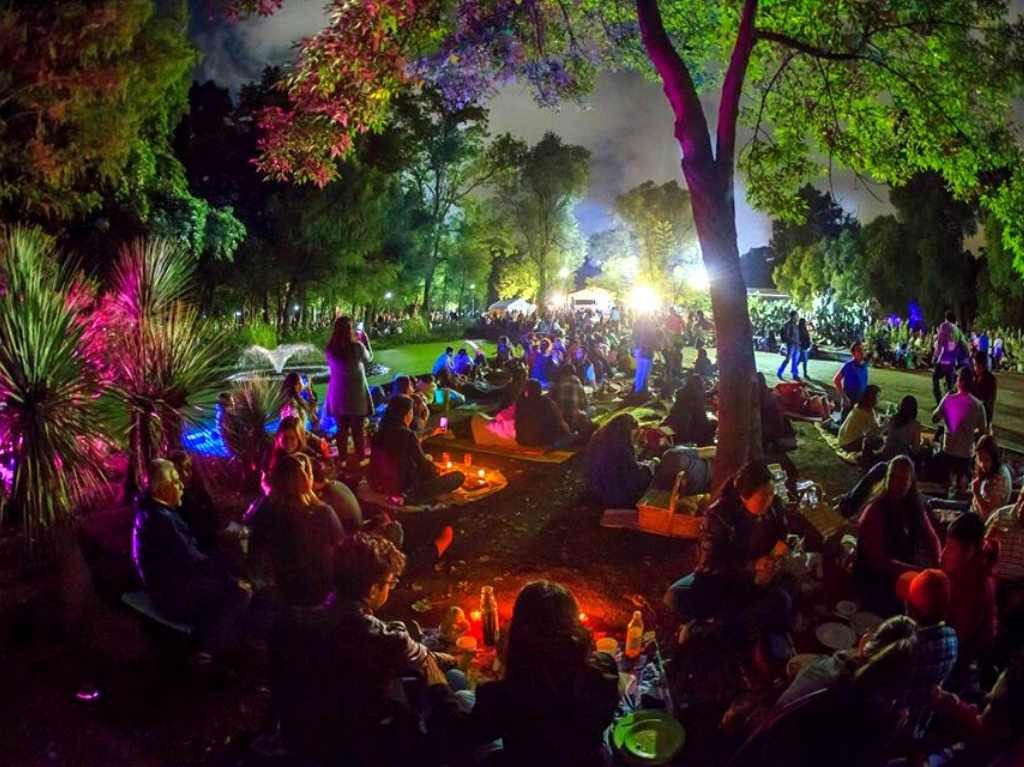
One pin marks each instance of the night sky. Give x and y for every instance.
(627, 126)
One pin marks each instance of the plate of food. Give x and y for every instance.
(836, 636)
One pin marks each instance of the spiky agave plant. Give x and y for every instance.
(164, 360)
(54, 421)
(254, 404)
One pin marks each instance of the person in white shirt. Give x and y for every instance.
(963, 417)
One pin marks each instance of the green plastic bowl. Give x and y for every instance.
(648, 737)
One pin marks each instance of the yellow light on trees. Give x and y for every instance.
(643, 299)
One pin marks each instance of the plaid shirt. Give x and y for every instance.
(1007, 528)
(934, 656)
(570, 396)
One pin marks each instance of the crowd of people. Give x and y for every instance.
(946, 574)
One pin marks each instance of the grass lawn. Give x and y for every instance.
(896, 384)
(413, 359)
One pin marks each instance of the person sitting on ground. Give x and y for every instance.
(335, 672)
(444, 362)
(963, 417)
(462, 365)
(927, 595)
(542, 366)
(436, 394)
(420, 407)
(480, 363)
(895, 536)
(398, 466)
(294, 401)
(556, 697)
(903, 432)
(613, 475)
(985, 386)
(293, 537)
(742, 542)
(993, 737)
(686, 459)
(505, 353)
(688, 417)
(290, 439)
(186, 584)
(703, 366)
(337, 495)
(852, 378)
(571, 398)
(197, 508)
(829, 670)
(991, 486)
(860, 432)
(539, 422)
(850, 724)
(776, 431)
(968, 561)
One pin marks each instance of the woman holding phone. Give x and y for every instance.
(348, 395)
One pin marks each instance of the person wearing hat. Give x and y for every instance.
(927, 596)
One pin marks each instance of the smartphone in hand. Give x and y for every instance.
(444, 423)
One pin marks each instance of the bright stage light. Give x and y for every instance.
(644, 299)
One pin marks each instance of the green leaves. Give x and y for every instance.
(55, 423)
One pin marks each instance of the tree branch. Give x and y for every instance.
(732, 89)
(691, 124)
(811, 50)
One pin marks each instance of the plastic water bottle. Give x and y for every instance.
(489, 615)
(635, 635)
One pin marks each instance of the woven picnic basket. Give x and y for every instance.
(673, 514)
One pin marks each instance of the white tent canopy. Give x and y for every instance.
(511, 305)
(598, 299)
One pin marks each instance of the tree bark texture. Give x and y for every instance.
(709, 178)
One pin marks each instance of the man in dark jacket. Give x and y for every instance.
(742, 543)
(184, 583)
(336, 671)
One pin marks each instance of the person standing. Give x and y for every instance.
(944, 358)
(348, 395)
(645, 344)
(985, 386)
(963, 416)
(805, 344)
(791, 338)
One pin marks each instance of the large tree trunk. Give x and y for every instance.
(709, 175)
(715, 220)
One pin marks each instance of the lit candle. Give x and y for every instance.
(583, 617)
(475, 615)
(481, 473)
(448, 465)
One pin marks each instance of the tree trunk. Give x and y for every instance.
(709, 176)
(738, 441)
(428, 280)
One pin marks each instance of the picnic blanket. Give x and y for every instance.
(470, 492)
(518, 452)
(833, 442)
